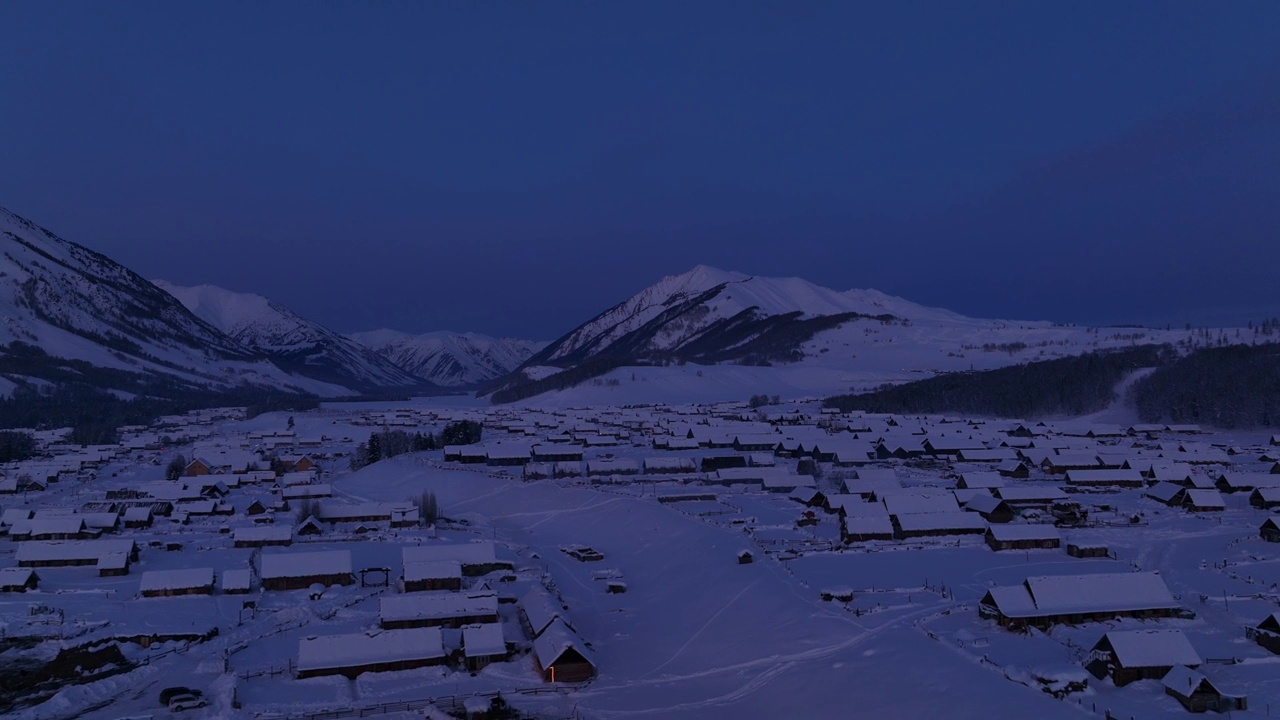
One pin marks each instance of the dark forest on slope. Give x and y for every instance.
(1065, 386)
(1229, 387)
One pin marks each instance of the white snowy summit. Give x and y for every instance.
(293, 342)
(450, 359)
(714, 315)
(73, 304)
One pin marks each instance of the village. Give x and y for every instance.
(610, 561)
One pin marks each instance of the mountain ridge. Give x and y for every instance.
(449, 359)
(295, 343)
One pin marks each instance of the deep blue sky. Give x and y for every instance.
(514, 168)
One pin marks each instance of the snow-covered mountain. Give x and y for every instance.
(293, 342)
(71, 303)
(744, 334)
(450, 359)
(715, 315)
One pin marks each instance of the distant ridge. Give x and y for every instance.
(450, 359)
(296, 344)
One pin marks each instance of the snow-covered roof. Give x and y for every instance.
(1008, 532)
(1024, 493)
(432, 570)
(54, 550)
(555, 640)
(435, 606)
(475, 553)
(957, 520)
(540, 608)
(1152, 648)
(263, 533)
(901, 503)
(306, 564)
(1101, 592)
(239, 579)
(868, 525)
(375, 647)
(15, 576)
(181, 579)
(484, 639)
(1205, 498)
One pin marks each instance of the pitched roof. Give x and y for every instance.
(1152, 648)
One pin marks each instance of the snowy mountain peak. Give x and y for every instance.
(302, 346)
(74, 304)
(714, 314)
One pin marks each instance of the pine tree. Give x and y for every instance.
(374, 453)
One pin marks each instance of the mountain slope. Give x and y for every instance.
(76, 304)
(293, 342)
(805, 338)
(710, 315)
(450, 359)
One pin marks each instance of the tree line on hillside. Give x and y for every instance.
(1064, 386)
(16, 446)
(1237, 386)
(520, 389)
(390, 443)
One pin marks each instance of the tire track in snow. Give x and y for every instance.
(705, 625)
(775, 666)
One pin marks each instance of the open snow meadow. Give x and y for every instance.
(690, 561)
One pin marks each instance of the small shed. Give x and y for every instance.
(1270, 530)
(483, 644)
(561, 656)
(18, 579)
(1267, 633)
(1198, 694)
(1091, 550)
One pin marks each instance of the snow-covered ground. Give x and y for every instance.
(696, 634)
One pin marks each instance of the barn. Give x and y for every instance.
(1267, 633)
(262, 536)
(294, 571)
(1270, 530)
(169, 583)
(476, 558)
(432, 575)
(1022, 537)
(1047, 600)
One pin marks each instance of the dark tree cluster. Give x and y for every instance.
(1071, 386)
(1237, 386)
(390, 443)
(759, 401)
(516, 389)
(15, 446)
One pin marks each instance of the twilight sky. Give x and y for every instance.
(515, 168)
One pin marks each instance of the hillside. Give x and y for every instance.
(78, 305)
(808, 341)
(296, 344)
(1064, 386)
